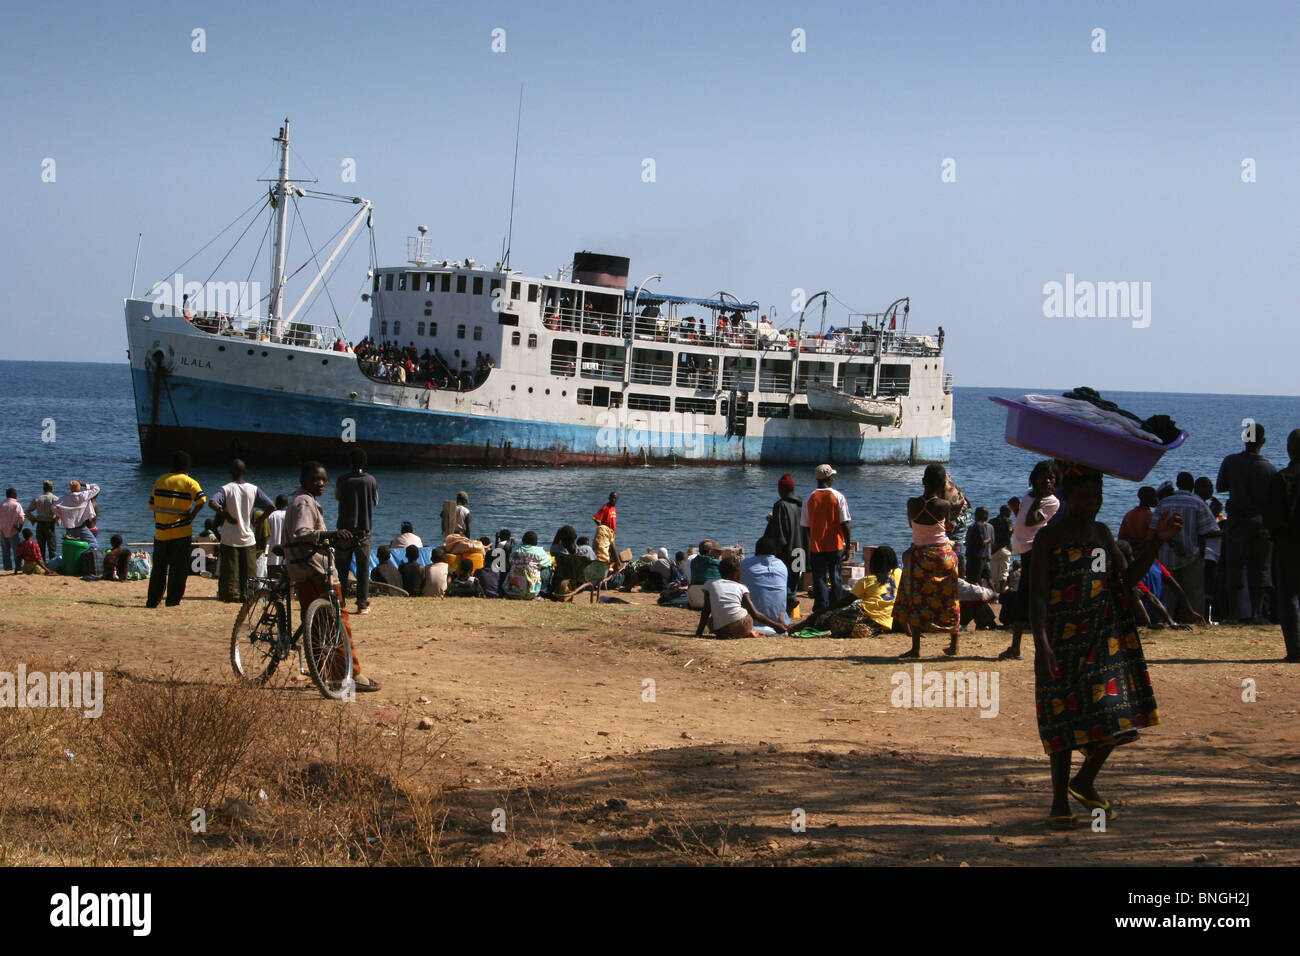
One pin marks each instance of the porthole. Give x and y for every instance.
(530, 390)
(562, 394)
(221, 348)
(512, 388)
(289, 357)
(548, 391)
(324, 361)
(263, 355)
(250, 351)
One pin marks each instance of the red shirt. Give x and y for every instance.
(607, 515)
(29, 550)
(1136, 525)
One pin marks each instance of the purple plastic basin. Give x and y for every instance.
(1056, 436)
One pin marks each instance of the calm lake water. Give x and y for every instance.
(95, 440)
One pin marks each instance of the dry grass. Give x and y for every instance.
(176, 772)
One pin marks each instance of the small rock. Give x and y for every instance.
(426, 723)
(1200, 858)
(535, 851)
(686, 736)
(616, 803)
(422, 700)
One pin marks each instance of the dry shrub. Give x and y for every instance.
(185, 742)
(282, 777)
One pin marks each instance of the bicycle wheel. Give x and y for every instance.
(326, 647)
(258, 632)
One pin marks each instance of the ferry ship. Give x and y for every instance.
(575, 368)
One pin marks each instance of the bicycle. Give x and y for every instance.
(262, 635)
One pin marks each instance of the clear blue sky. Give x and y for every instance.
(775, 169)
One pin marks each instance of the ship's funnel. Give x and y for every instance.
(595, 268)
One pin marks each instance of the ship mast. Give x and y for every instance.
(280, 198)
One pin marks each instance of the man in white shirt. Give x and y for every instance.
(76, 512)
(237, 501)
(462, 522)
(275, 531)
(407, 538)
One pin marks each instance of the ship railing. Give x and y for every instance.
(738, 381)
(647, 373)
(321, 337)
(700, 379)
(774, 381)
(750, 338)
(564, 366)
(894, 385)
(607, 370)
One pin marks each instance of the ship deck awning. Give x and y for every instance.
(659, 298)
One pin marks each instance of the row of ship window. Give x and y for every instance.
(442, 282)
(432, 328)
(607, 398)
(460, 332)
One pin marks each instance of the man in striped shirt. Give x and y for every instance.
(176, 499)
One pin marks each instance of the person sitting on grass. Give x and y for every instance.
(117, 561)
(412, 572)
(30, 559)
(434, 580)
(704, 568)
(530, 569)
(728, 609)
(464, 584)
(385, 571)
(869, 604)
(584, 549)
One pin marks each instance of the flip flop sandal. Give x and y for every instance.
(1008, 656)
(1104, 805)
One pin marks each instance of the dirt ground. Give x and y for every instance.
(544, 710)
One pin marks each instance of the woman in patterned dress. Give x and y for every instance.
(927, 599)
(1092, 689)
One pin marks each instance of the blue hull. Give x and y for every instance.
(216, 420)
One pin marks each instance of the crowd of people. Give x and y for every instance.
(408, 365)
(1180, 558)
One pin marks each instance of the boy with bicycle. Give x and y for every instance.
(309, 569)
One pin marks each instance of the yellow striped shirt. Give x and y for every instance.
(174, 496)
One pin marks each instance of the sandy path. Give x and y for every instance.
(546, 701)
